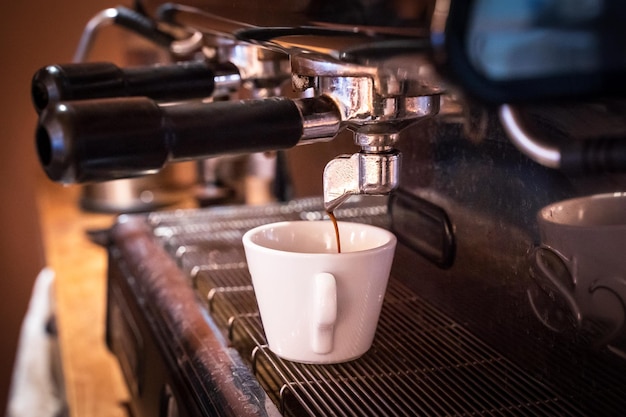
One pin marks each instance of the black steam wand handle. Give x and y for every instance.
(594, 156)
(105, 139)
(180, 81)
(142, 25)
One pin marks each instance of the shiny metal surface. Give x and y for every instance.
(361, 173)
(321, 119)
(183, 44)
(535, 148)
(254, 63)
(376, 102)
(376, 96)
(103, 19)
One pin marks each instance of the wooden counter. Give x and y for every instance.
(93, 381)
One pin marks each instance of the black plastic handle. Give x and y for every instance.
(594, 156)
(180, 81)
(105, 139)
(142, 25)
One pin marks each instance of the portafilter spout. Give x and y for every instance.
(376, 99)
(373, 171)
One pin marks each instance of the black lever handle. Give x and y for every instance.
(594, 156)
(180, 81)
(105, 139)
(142, 25)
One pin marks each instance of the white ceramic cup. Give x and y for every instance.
(588, 237)
(317, 305)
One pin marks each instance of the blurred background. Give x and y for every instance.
(34, 33)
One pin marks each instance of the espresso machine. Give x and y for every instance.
(465, 119)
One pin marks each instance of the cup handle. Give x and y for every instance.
(618, 288)
(324, 313)
(566, 290)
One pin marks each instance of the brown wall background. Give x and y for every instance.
(33, 33)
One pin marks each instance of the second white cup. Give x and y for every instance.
(317, 305)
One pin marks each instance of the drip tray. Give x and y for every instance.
(421, 363)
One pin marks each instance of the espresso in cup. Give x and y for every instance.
(318, 305)
(333, 219)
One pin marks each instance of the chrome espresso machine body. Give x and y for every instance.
(467, 117)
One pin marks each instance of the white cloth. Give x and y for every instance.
(34, 391)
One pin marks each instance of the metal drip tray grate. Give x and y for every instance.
(421, 362)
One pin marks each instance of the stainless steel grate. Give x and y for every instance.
(421, 363)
